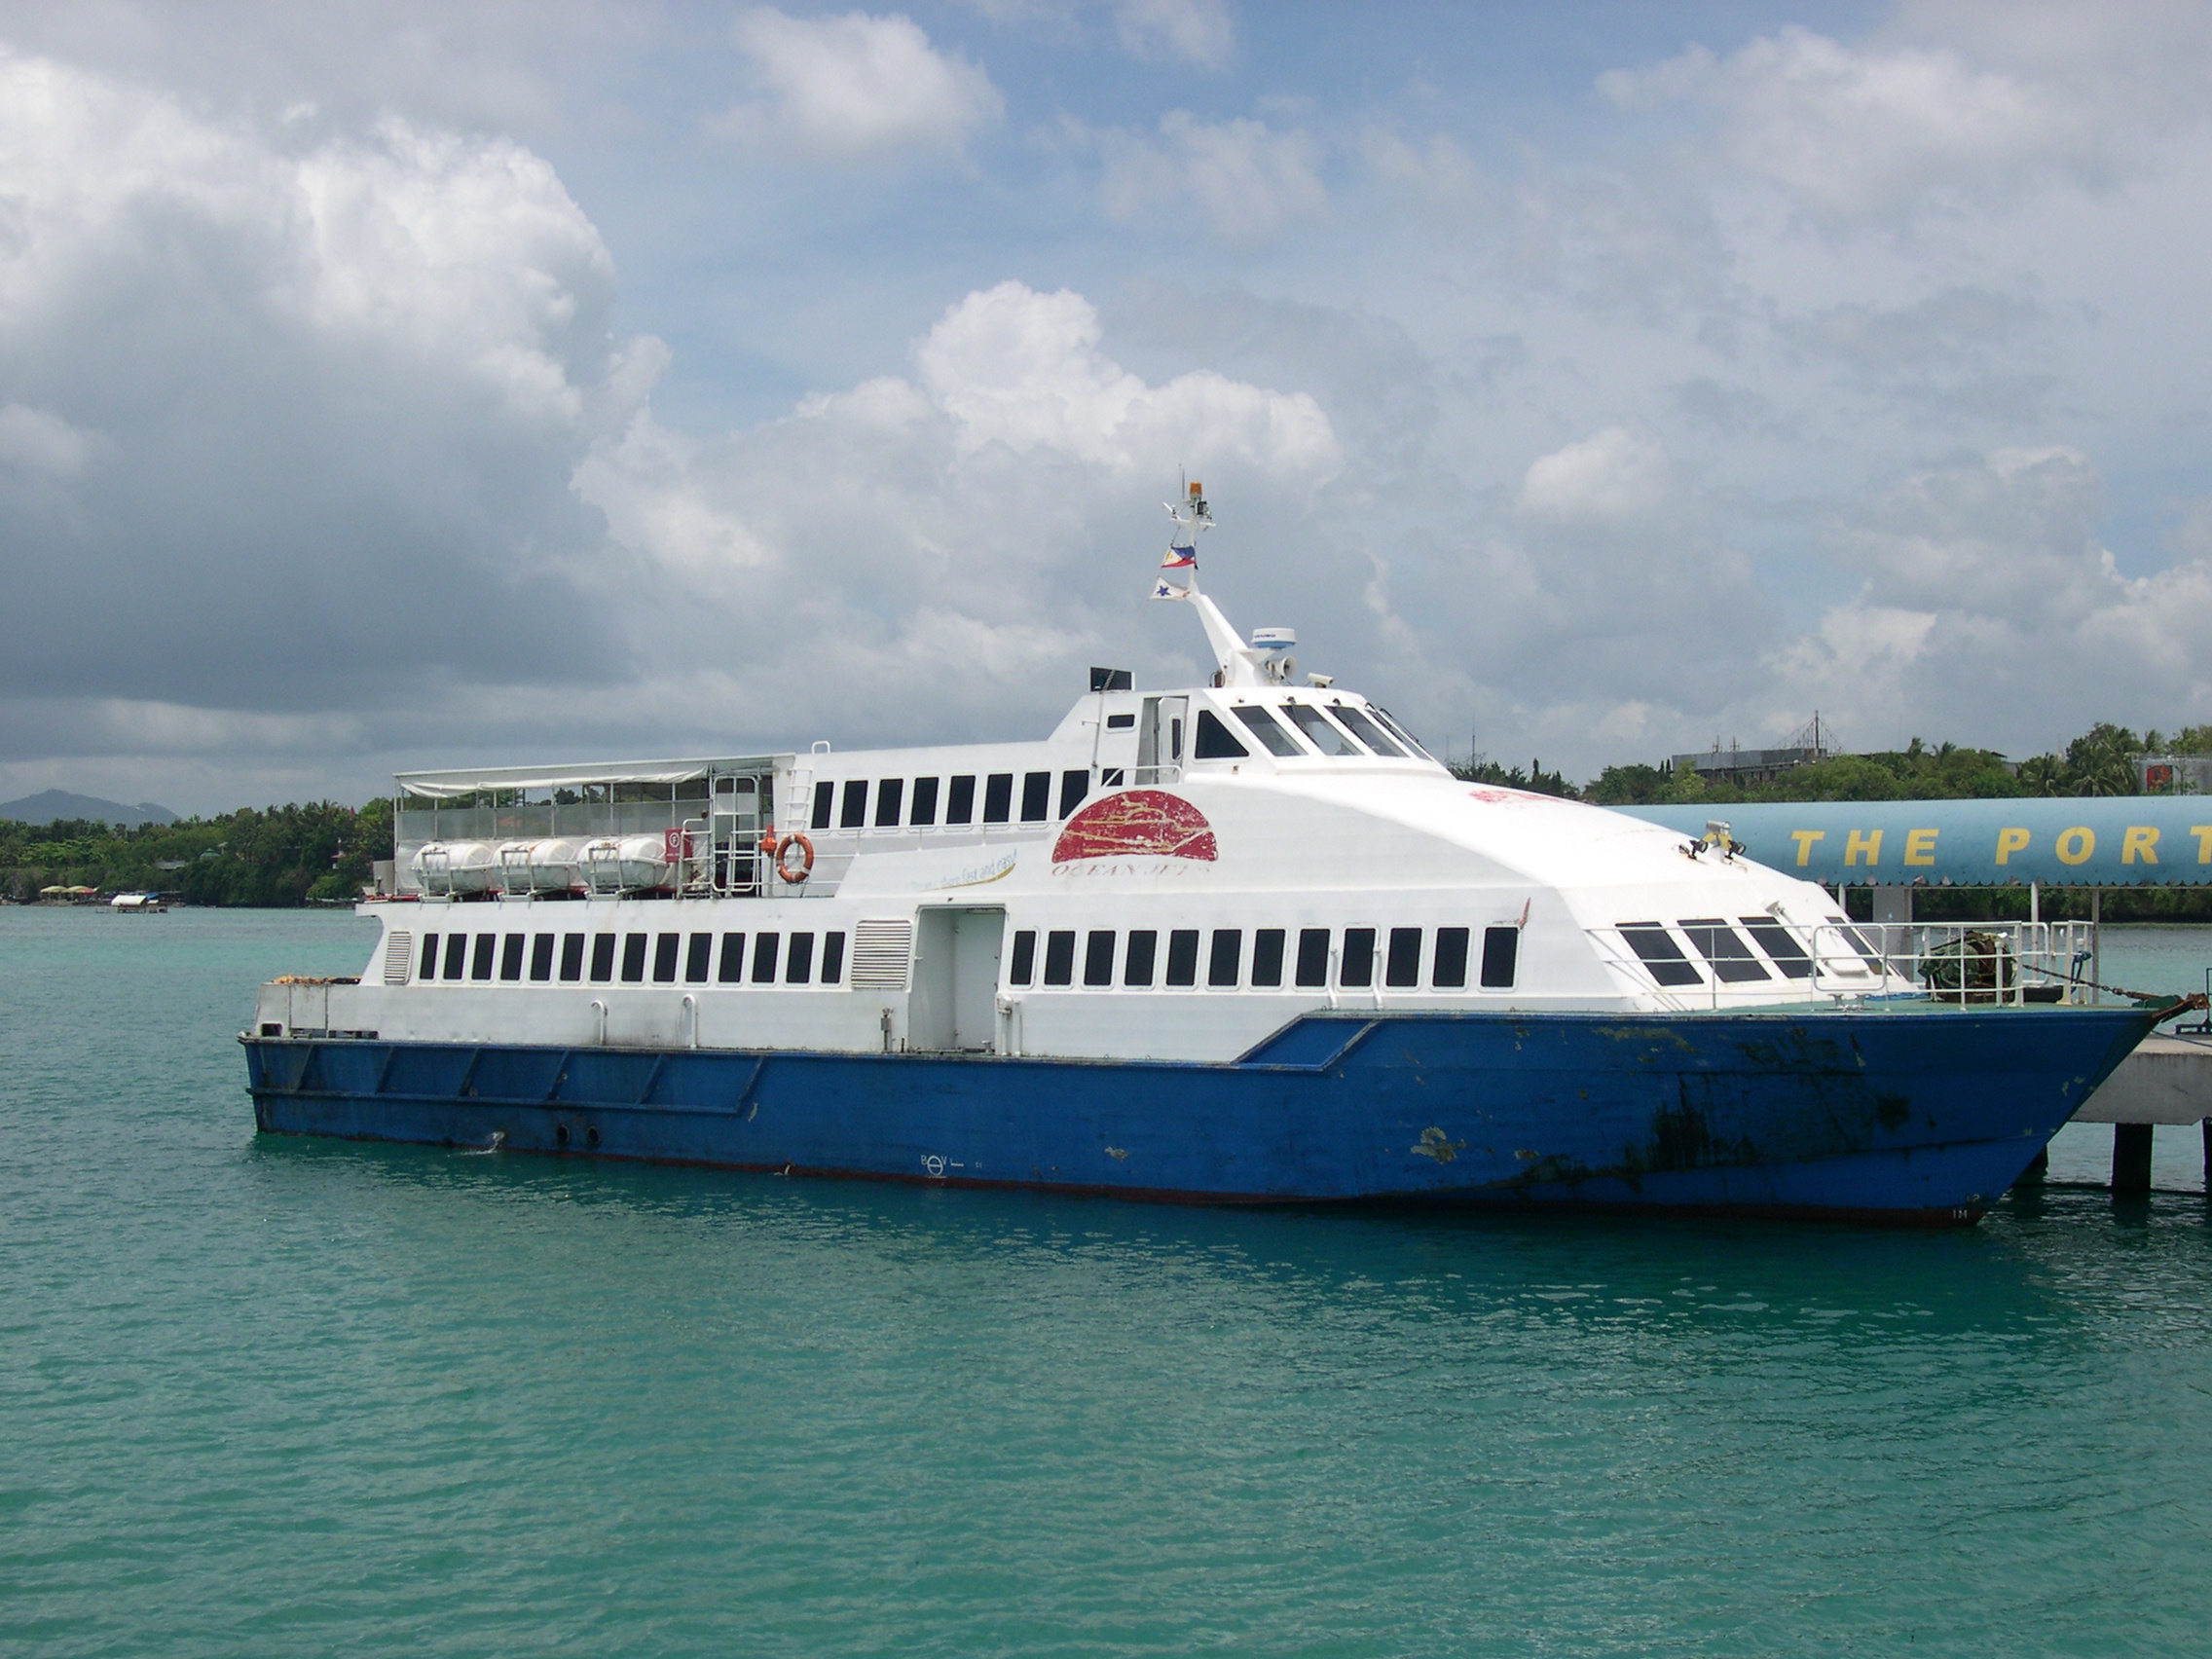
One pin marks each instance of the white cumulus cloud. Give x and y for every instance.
(1609, 477)
(849, 88)
(1023, 369)
(937, 542)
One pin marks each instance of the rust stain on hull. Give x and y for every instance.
(1433, 1143)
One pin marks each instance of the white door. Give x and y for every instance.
(1160, 739)
(975, 944)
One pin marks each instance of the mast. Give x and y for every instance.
(1235, 663)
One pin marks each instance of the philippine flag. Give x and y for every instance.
(1180, 559)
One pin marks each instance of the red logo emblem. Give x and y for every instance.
(1143, 822)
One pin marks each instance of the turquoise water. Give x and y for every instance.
(281, 1397)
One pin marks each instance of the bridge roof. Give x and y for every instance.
(2118, 841)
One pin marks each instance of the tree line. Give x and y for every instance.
(277, 856)
(2101, 761)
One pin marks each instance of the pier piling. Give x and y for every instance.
(2131, 1160)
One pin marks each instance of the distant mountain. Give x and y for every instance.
(46, 807)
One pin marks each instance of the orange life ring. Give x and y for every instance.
(806, 852)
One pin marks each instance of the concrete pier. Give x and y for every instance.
(2167, 1080)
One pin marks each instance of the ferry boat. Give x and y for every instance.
(1238, 941)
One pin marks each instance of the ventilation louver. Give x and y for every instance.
(880, 950)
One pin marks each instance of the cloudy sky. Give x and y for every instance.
(384, 388)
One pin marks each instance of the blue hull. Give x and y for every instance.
(1892, 1114)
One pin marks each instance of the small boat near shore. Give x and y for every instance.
(1237, 941)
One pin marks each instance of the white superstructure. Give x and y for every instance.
(1170, 874)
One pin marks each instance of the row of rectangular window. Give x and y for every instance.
(1731, 960)
(1215, 742)
(485, 956)
(896, 807)
(1400, 954)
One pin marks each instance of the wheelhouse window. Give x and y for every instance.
(1021, 967)
(825, 803)
(1781, 946)
(1859, 942)
(1366, 731)
(1074, 786)
(1183, 956)
(1661, 956)
(1214, 742)
(998, 797)
(890, 798)
(1318, 731)
(541, 957)
(1313, 956)
(1402, 967)
(1059, 957)
(733, 959)
(1036, 797)
(1138, 961)
(1383, 717)
(924, 812)
(1225, 964)
(960, 801)
(855, 814)
(1098, 959)
(1724, 949)
(1266, 956)
(1358, 967)
(1501, 954)
(1268, 729)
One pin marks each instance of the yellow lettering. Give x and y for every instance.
(2140, 838)
(1920, 846)
(2009, 843)
(1806, 838)
(2074, 845)
(2203, 835)
(1867, 842)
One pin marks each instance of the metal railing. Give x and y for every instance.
(1986, 963)
(1969, 964)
